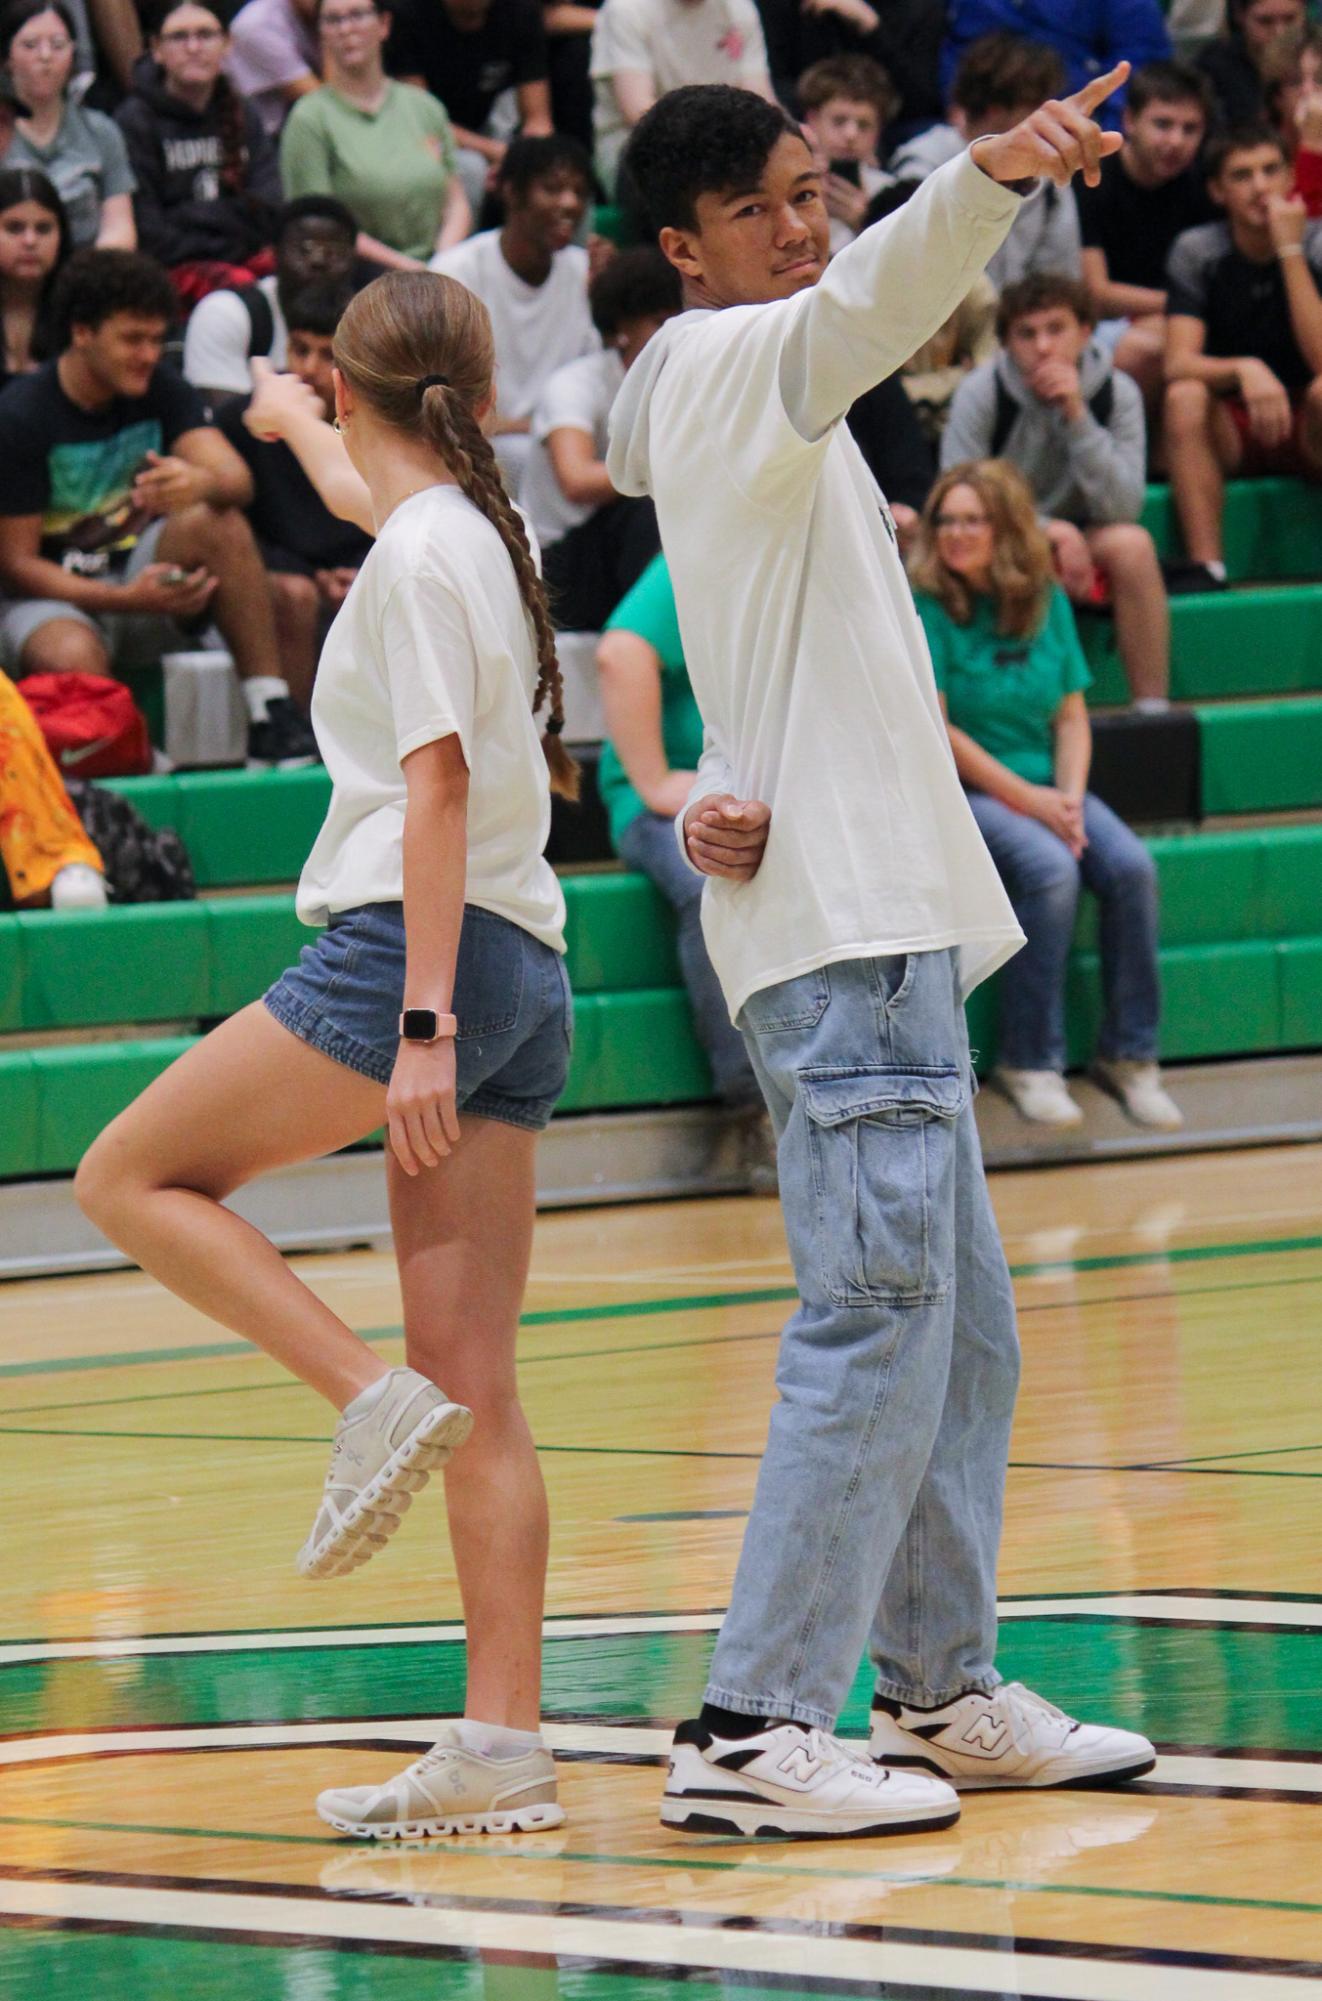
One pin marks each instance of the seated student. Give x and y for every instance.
(44, 853)
(896, 450)
(486, 60)
(845, 102)
(1001, 80)
(81, 152)
(1234, 62)
(1089, 36)
(1243, 341)
(1052, 404)
(1011, 675)
(643, 48)
(1292, 79)
(311, 556)
(208, 179)
(532, 277)
(315, 239)
(383, 148)
(1149, 193)
(34, 247)
(903, 38)
(275, 56)
(648, 768)
(595, 543)
(121, 525)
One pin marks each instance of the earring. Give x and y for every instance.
(337, 427)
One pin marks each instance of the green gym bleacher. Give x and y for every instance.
(92, 1005)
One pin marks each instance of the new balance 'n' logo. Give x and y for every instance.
(800, 1765)
(987, 1734)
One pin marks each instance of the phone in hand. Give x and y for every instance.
(174, 577)
(848, 170)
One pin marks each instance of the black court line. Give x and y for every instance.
(675, 1917)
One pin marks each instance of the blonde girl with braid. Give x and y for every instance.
(434, 1002)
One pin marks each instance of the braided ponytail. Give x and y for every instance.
(418, 346)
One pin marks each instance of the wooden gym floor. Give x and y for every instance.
(172, 1696)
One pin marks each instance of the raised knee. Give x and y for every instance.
(65, 646)
(294, 596)
(94, 1185)
(1188, 405)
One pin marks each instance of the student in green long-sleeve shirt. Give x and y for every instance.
(383, 148)
(1011, 675)
(645, 776)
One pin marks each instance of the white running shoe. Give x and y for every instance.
(451, 1790)
(1139, 1088)
(1009, 1738)
(378, 1463)
(1039, 1096)
(78, 886)
(790, 1779)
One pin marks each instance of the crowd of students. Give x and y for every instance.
(190, 198)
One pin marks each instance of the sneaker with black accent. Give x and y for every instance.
(283, 739)
(450, 1790)
(790, 1780)
(1009, 1738)
(378, 1462)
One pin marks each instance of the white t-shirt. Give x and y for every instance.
(577, 398)
(537, 328)
(433, 641)
(673, 42)
(805, 651)
(218, 342)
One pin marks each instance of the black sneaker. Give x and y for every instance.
(283, 740)
(1185, 579)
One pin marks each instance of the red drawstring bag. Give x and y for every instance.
(91, 723)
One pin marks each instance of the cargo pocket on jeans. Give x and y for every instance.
(882, 1140)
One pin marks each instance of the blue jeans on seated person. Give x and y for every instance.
(877, 1518)
(1042, 880)
(648, 844)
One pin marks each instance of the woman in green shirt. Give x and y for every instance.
(1011, 675)
(383, 148)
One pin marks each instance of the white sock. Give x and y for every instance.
(366, 1400)
(493, 1740)
(259, 689)
(1217, 569)
(1151, 705)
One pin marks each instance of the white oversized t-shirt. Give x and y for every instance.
(537, 328)
(673, 42)
(433, 641)
(218, 341)
(806, 654)
(577, 398)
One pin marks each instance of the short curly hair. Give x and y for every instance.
(705, 138)
(638, 284)
(96, 284)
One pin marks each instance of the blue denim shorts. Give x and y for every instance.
(511, 1000)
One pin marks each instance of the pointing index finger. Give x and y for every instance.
(1101, 87)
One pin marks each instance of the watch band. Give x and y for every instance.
(423, 1024)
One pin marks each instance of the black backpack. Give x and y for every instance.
(1101, 403)
(143, 864)
(261, 320)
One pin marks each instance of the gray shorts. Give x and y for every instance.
(132, 639)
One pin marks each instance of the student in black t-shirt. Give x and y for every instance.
(469, 53)
(1147, 196)
(121, 530)
(311, 556)
(1243, 340)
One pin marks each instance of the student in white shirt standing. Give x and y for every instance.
(851, 905)
(532, 277)
(435, 1001)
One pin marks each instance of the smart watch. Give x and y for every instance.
(423, 1024)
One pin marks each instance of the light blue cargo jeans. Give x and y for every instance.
(877, 1517)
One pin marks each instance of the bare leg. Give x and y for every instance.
(296, 603)
(1311, 439)
(1201, 447)
(65, 646)
(249, 1097)
(463, 1238)
(1141, 352)
(1127, 557)
(220, 539)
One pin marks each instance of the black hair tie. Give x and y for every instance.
(432, 382)
(554, 725)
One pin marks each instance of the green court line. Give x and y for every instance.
(691, 1303)
(1213, 1458)
(709, 1863)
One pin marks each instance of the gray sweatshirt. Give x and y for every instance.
(1045, 236)
(1085, 472)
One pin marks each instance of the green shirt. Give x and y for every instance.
(1005, 692)
(391, 167)
(649, 610)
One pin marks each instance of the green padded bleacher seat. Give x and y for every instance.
(1273, 528)
(1300, 963)
(11, 973)
(238, 826)
(1262, 757)
(620, 934)
(20, 1116)
(251, 940)
(82, 1086)
(144, 962)
(1224, 643)
(634, 1049)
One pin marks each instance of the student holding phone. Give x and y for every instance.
(846, 101)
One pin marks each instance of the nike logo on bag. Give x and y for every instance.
(69, 756)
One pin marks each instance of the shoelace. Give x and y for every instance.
(831, 1751)
(1019, 1699)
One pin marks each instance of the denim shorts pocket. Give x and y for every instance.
(881, 1139)
(790, 1004)
(489, 975)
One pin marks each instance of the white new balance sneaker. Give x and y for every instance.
(378, 1462)
(1009, 1738)
(791, 1780)
(451, 1790)
(1040, 1096)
